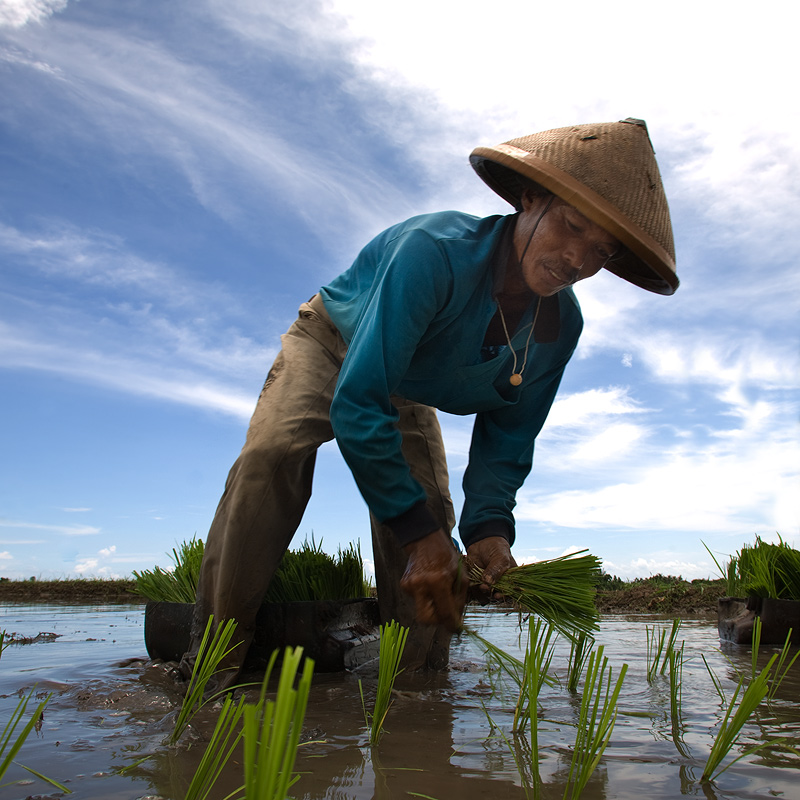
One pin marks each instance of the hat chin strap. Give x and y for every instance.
(535, 227)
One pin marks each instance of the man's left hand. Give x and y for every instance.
(493, 556)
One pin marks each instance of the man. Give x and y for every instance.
(448, 311)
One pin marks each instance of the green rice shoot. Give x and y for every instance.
(659, 648)
(213, 649)
(221, 746)
(598, 714)
(272, 728)
(559, 590)
(11, 740)
(578, 654)
(392, 644)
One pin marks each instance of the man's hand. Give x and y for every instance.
(493, 556)
(436, 579)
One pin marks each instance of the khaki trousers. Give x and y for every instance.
(270, 484)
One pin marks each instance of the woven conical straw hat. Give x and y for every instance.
(608, 171)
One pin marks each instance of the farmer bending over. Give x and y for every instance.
(448, 311)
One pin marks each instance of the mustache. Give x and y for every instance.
(565, 273)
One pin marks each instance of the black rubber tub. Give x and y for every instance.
(337, 634)
(736, 615)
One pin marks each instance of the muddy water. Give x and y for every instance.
(110, 708)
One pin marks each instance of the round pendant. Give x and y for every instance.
(515, 379)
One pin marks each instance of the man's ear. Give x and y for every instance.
(526, 198)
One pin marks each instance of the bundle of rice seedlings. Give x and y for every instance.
(309, 574)
(304, 574)
(763, 570)
(559, 590)
(178, 585)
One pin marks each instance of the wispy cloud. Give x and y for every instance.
(68, 530)
(127, 374)
(16, 13)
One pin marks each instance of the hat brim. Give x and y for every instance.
(645, 263)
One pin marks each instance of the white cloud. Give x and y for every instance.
(6, 556)
(662, 564)
(108, 551)
(716, 489)
(17, 13)
(614, 441)
(737, 157)
(581, 409)
(76, 510)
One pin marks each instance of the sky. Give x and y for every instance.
(177, 177)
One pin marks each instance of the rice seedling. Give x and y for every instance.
(733, 721)
(560, 590)
(756, 644)
(536, 666)
(271, 731)
(578, 653)
(11, 739)
(393, 642)
(659, 648)
(780, 671)
(178, 585)
(211, 652)
(226, 736)
(675, 658)
(499, 662)
(714, 679)
(597, 716)
(535, 669)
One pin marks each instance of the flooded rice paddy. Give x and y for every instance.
(111, 708)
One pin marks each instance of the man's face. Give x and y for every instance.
(566, 247)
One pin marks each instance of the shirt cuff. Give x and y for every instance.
(491, 527)
(414, 524)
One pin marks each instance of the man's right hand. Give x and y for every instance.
(437, 580)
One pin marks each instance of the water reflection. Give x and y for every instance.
(111, 708)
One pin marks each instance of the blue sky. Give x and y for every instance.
(178, 176)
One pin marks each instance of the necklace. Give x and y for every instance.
(516, 377)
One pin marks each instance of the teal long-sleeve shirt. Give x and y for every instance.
(414, 308)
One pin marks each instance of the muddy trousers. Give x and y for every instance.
(270, 484)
